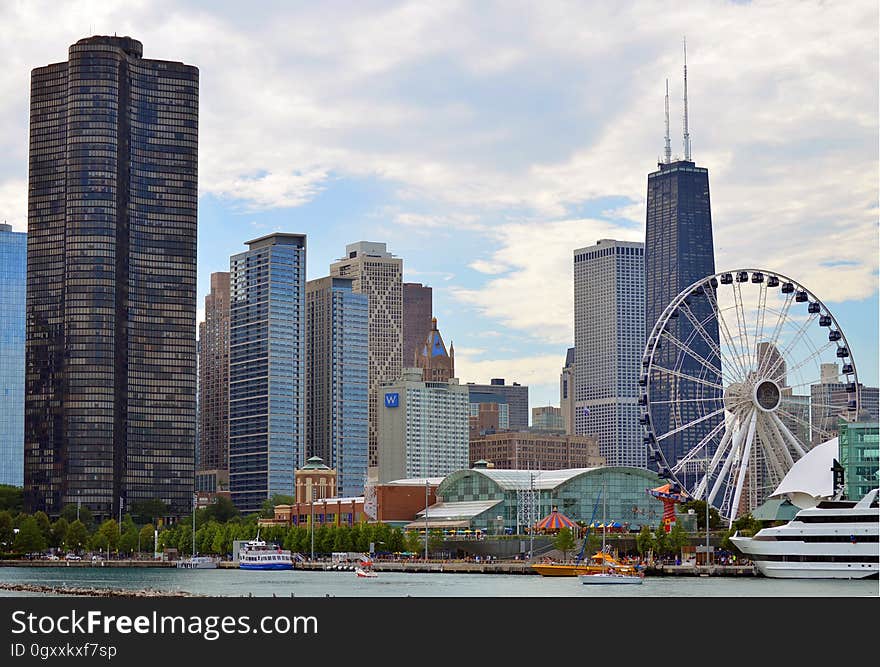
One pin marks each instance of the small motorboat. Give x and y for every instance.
(365, 573)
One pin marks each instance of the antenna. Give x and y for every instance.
(668, 149)
(687, 137)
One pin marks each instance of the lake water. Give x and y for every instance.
(303, 583)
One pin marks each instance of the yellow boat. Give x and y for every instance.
(593, 567)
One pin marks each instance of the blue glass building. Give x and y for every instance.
(337, 326)
(267, 372)
(13, 278)
(679, 252)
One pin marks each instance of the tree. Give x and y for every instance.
(149, 511)
(128, 541)
(267, 510)
(59, 533)
(222, 510)
(678, 538)
(44, 524)
(564, 542)
(106, 538)
(6, 533)
(412, 541)
(699, 508)
(11, 498)
(645, 540)
(661, 541)
(746, 524)
(69, 512)
(146, 538)
(77, 536)
(29, 538)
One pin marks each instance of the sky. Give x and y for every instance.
(485, 142)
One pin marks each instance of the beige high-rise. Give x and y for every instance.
(378, 274)
(214, 377)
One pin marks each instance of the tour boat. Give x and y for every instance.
(257, 555)
(836, 539)
(198, 563)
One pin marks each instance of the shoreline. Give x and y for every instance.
(448, 567)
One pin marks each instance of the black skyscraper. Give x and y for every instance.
(679, 252)
(111, 286)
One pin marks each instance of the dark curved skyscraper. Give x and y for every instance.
(111, 287)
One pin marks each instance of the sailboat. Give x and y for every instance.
(196, 562)
(616, 575)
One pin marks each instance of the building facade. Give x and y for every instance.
(566, 392)
(525, 450)
(548, 418)
(423, 427)
(489, 413)
(515, 395)
(267, 372)
(378, 274)
(214, 377)
(417, 315)
(13, 278)
(859, 447)
(437, 364)
(337, 379)
(111, 290)
(609, 332)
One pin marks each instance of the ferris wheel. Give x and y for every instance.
(743, 373)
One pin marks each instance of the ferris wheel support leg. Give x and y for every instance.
(703, 486)
(737, 441)
(784, 430)
(771, 444)
(744, 462)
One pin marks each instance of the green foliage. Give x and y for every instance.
(29, 538)
(85, 514)
(149, 511)
(146, 536)
(43, 524)
(11, 498)
(677, 538)
(413, 541)
(564, 542)
(645, 540)
(661, 541)
(6, 533)
(699, 508)
(746, 524)
(59, 533)
(77, 536)
(106, 538)
(267, 510)
(128, 542)
(435, 541)
(395, 541)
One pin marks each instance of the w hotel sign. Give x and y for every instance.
(392, 400)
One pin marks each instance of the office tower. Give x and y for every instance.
(214, 377)
(529, 450)
(547, 418)
(337, 380)
(609, 339)
(515, 395)
(417, 310)
(378, 274)
(111, 287)
(423, 427)
(13, 278)
(436, 363)
(679, 252)
(489, 413)
(267, 371)
(829, 399)
(566, 392)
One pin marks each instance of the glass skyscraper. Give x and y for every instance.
(13, 281)
(337, 354)
(679, 252)
(111, 286)
(267, 371)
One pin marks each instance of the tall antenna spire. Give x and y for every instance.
(668, 150)
(687, 137)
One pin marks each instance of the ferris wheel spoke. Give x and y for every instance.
(783, 429)
(780, 322)
(724, 331)
(738, 436)
(816, 354)
(794, 418)
(741, 325)
(696, 449)
(791, 344)
(690, 352)
(743, 463)
(789, 462)
(690, 424)
(685, 376)
(688, 400)
(701, 490)
(762, 313)
(771, 445)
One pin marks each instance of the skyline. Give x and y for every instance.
(457, 145)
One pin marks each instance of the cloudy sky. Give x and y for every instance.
(484, 142)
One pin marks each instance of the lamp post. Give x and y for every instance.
(312, 521)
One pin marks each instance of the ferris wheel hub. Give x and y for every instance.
(767, 395)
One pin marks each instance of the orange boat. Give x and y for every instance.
(593, 567)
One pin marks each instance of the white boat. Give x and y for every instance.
(836, 539)
(610, 574)
(257, 555)
(198, 563)
(365, 573)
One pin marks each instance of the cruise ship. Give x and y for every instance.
(836, 539)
